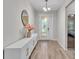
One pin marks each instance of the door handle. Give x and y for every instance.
(48, 28)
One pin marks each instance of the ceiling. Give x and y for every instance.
(53, 4)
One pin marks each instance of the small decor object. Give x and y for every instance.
(29, 27)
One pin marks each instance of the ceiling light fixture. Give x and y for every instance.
(46, 8)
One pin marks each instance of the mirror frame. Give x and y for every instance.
(22, 14)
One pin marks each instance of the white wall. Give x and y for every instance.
(67, 2)
(36, 22)
(12, 19)
(71, 8)
(61, 26)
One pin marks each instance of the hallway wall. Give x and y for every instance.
(12, 19)
(61, 24)
(71, 8)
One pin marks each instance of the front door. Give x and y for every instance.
(45, 27)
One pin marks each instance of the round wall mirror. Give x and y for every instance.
(24, 17)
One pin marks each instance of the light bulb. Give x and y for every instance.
(49, 9)
(45, 9)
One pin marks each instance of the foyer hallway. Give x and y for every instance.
(50, 50)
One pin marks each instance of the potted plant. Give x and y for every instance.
(29, 28)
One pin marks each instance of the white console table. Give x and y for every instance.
(21, 49)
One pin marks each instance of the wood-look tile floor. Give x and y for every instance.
(50, 50)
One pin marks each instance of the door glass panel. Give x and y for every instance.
(44, 21)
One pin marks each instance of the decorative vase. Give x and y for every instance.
(28, 34)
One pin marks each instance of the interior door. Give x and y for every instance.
(45, 27)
